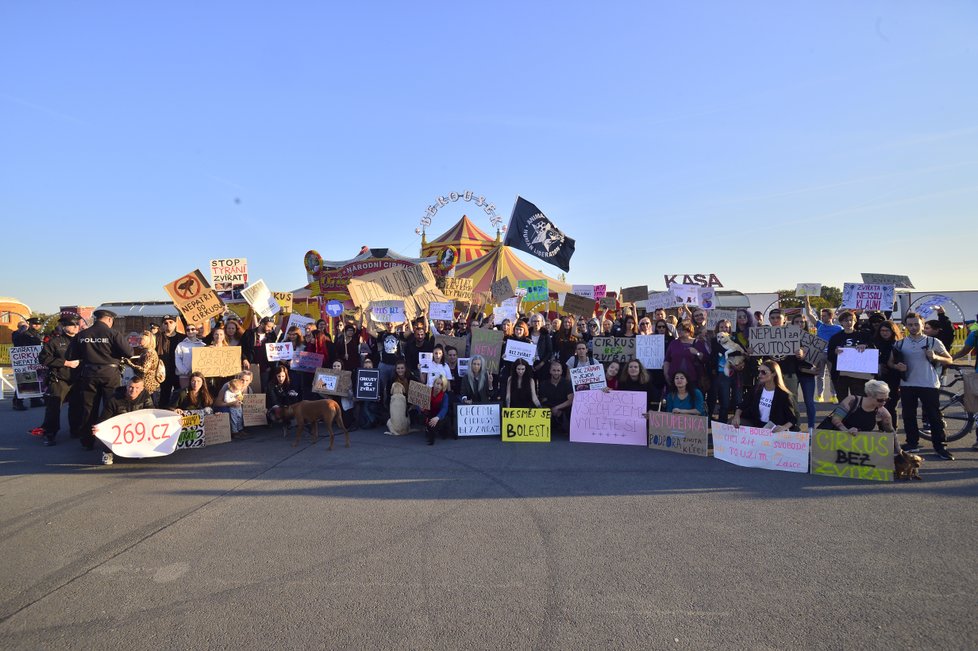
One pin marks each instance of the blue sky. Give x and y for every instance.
(769, 143)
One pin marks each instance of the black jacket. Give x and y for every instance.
(783, 408)
(99, 348)
(120, 403)
(252, 350)
(54, 354)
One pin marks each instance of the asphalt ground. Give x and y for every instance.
(474, 544)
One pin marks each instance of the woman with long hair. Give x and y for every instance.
(684, 398)
(886, 337)
(769, 401)
(635, 377)
(279, 394)
(721, 385)
(476, 385)
(233, 332)
(196, 396)
(611, 374)
(521, 390)
(146, 364)
(436, 416)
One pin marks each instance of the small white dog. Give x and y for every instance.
(734, 350)
(398, 424)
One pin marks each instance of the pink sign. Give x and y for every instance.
(616, 417)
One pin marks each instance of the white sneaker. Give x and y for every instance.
(107, 458)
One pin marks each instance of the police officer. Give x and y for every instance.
(61, 373)
(31, 336)
(99, 349)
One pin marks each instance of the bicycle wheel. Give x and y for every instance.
(957, 420)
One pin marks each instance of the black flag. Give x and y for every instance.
(530, 230)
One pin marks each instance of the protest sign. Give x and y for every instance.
(30, 376)
(458, 289)
(299, 321)
(682, 433)
(388, 311)
(808, 289)
(217, 429)
(774, 341)
(194, 298)
(924, 308)
(853, 361)
(419, 394)
(306, 362)
(260, 298)
(815, 348)
(902, 282)
(865, 455)
(613, 349)
(607, 303)
(584, 291)
(141, 434)
(441, 311)
(659, 300)
(650, 350)
(279, 352)
(615, 417)
(574, 304)
(221, 361)
(600, 291)
(334, 308)
(684, 294)
(713, 317)
(458, 343)
(229, 276)
(501, 289)
(416, 283)
(191, 429)
(253, 409)
(329, 382)
(463, 366)
(501, 313)
(856, 296)
(478, 420)
(489, 344)
(425, 361)
(588, 378)
(526, 425)
(757, 447)
(635, 294)
(519, 350)
(284, 299)
(367, 384)
(536, 290)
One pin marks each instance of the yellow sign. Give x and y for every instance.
(5, 354)
(284, 299)
(864, 455)
(526, 425)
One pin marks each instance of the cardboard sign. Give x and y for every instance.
(253, 409)
(223, 361)
(607, 303)
(299, 321)
(260, 298)
(442, 311)
(682, 433)
(419, 394)
(816, 349)
(141, 434)
(902, 282)
(650, 350)
(458, 343)
(367, 384)
(613, 349)
(635, 294)
(659, 300)
(588, 378)
(217, 429)
(615, 417)
(388, 311)
(519, 350)
(501, 289)
(600, 291)
(30, 376)
(868, 297)
(756, 447)
(284, 299)
(306, 362)
(580, 305)
(191, 429)
(478, 420)
(853, 361)
(866, 455)
(279, 352)
(230, 271)
(808, 289)
(713, 317)
(774, 341)
(584, 291)
(536, 290)
(526, 425)
(459, 289)
(694, 295)
(489, 344)
(397, 283)
(194, 298)
(327, 382)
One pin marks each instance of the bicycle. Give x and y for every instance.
(958, 421)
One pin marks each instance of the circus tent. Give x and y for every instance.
(503, 262)
(468, 241)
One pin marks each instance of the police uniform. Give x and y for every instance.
(99, 349)
(29, 337)
(54, 354)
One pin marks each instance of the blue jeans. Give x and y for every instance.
(237, 417)
(807, 384)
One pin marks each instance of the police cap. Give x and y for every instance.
(69, 319)
(101, 314)
(34, 321)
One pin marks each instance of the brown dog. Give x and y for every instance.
(907, 465)
(312, 411)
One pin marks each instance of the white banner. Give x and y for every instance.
(650, 350)
(441, 311)
(588, 378)
(141, 434)
(519, 350)
(260, 299)
(279, 352)
(756, 447)
(853, 361)
(478, 420)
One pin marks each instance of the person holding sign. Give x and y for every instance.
(806, 375)
(253, 348)
(862, 413)
(437, 366)
(684, 399)
(637, 378)
(521, 390)
(687, 355)
(147, 364)
(230, 400)
(279, 394)
(435, 417)
(545, 347)
(721, 393)
(183, 355)
(125, 400)
(768, 402)
(557, 395)
(848, 337)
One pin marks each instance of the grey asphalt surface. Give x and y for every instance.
(474, 544)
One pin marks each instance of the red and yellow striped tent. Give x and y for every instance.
(503, 262)
(469, 241)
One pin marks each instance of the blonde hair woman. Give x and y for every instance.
(147, 364)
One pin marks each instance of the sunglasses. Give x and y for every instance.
(761, 371)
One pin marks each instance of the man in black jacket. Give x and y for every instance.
(253, 348)
(61, 372)
(166, 347)
(132, 397)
